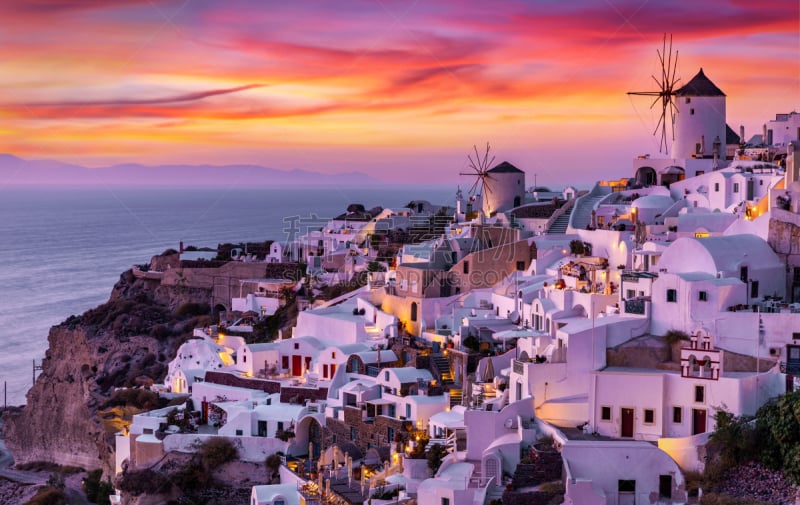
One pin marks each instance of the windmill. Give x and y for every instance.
(666, 90)
(480, 166)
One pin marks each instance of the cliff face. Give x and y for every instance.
(72, 411)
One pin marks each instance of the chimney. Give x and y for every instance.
(180, 247)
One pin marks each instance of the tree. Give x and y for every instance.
(436, 454)
(217, 451)
(673, 337)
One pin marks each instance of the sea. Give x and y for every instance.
(62, 249)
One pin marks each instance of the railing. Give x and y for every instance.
(790, 368)
(519, 367)
(635, 306)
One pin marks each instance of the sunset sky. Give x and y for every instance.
(397, 89)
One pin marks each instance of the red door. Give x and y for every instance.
(297, 365)
(698, 421)
(627, 422)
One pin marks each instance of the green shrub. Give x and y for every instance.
(48, 496)
(193, 309)
(217, 451)
(436, 453)
(139, 482)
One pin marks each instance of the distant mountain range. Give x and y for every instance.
(16, 171)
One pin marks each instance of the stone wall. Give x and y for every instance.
(367, 434)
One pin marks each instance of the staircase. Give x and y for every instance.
(582, 213)
(442, 367)
(456, 397)
(561, 223)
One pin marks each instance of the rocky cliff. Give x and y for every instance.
(74, 408)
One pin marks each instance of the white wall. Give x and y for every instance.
(253, 449)
(606, 463)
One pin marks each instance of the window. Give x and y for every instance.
(649, 416)
(630, 293)
(735, 187)
(414, 311)
(239, 433)
(716, 187)
(390, 434)
(297, 346)
(743, 274)
(699, 394)
(688, 100)
(672, 295)
(244, 358)
(333, 355)
(626, 486)
(386, 375)
(754, 289)
(408, 411)
(702, 296)
(352, 433)
(677, 415)
(280, 425)
(466, 267)
(520, 265)
(285, 362)
(605, 413)
(691, 111)
(279, 502)
(445, 501)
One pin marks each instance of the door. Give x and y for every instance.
(262, 428)
(627, 423)
(626, 492)
(297, 365)
(698, 421)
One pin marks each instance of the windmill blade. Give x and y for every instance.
(665, 85)
(474, 186)
(486, 185)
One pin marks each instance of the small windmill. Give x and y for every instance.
(480, 166)
(666, 83)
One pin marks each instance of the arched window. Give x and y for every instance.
(414, 311)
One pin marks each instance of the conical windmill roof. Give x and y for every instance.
(504, 168)
(700, 85)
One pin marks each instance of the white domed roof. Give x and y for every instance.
(653, 202)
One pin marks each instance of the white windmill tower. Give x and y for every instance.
(695, 112)
(500, 188)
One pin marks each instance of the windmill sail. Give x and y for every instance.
(666, 83)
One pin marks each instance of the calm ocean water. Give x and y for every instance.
(62, 250)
